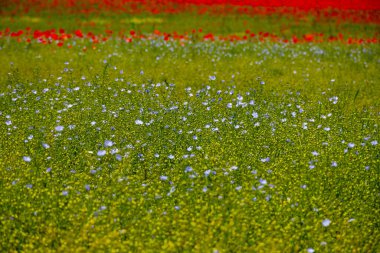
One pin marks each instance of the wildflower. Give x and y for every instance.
(163, 178)
(102, 153)
(8, 122)
(334, 164)
(374, 143)
(351, 145)
(334, 99)
(212, 78)
(326, 222)
(171, 157)
(108, 143)
(234, 167)
(45, 145)
(65, 193)
(59, 128)
(255, 115)
(138, 122)
(27, 159)
(310, 250)
(265, 160)
(315, 153)
(87, 187)
(172, 189)
(118, 157)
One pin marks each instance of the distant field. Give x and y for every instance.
(207, 128)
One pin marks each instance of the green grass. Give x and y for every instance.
(245, 204)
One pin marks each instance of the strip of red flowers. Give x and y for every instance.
(61, 37)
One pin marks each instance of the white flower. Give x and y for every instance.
(118, 157)
(114, 151)
(27, 159)
(102, 153)
(334, 100)
(59, 128)
(234, 167)
(326, 222)
(138, 122)
(108, 143)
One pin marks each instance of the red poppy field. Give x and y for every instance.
(189, 126)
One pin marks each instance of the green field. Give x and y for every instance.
(204, 146)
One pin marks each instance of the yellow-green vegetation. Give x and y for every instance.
(204, 147)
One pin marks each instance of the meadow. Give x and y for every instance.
(188, 132)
